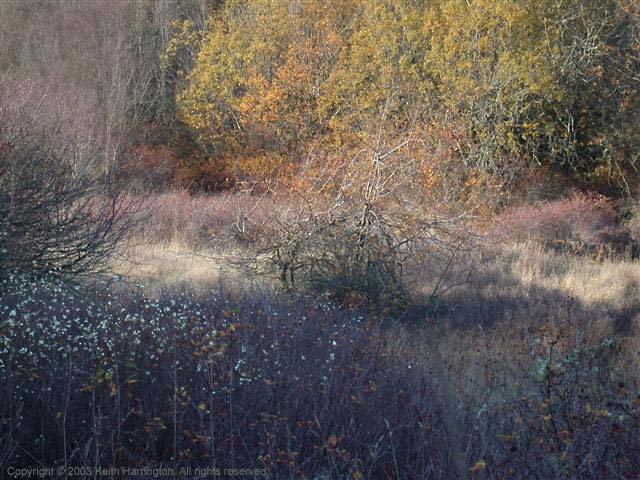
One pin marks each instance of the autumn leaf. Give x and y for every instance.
(480, 465)
(332, 442)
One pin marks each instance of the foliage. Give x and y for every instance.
(528, 83)
(633, 224)
(111, 378)
(246, 90)
(582, 223)
(378, 83)
(97, 67)
(257, 78)
(147, 168)
(528, 79)
(182, 381)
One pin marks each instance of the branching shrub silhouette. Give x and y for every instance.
(59, 212)
(356, 226)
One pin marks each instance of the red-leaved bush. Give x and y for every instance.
(582, 222)
(200, 220)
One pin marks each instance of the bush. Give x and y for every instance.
(59, 213)
(355, 227)
(353, 262)
(580, 223)
(106, 378)
(127, 381)
(567, 405)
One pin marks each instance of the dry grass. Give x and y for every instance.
(613, 282)
(193, 254)
(191, 241)
(528, 370)
(521, 282)
(161, 266)
(522, 374)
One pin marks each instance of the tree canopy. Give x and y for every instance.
(526, 82)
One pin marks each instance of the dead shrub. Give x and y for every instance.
(350, 233)
(60, 212)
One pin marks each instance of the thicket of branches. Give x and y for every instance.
(82, 90)
(353, 227)
(60, 212)
(99, 67)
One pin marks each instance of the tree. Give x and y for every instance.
(378, 82)
(260, 70)
(540, 80)
(523, 83)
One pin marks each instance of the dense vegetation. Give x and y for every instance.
(364, 239)
(514, 85)
(210, 92)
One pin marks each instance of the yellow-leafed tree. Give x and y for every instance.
(518, 83)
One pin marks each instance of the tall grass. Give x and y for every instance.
(198, 221)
